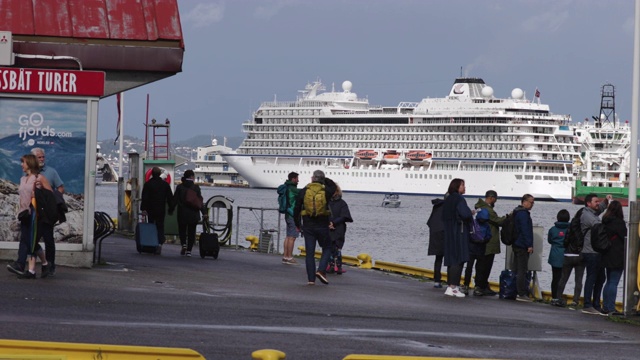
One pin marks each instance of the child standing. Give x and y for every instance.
(338, 220)
(555, 237)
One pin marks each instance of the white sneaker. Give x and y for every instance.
(454, 292)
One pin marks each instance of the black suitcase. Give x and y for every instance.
(208, 242)
(146, 237)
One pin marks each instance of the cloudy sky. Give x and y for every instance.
(241, 53)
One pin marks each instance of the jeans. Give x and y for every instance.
(556, 274)
(522, 267)
(454, 273)
(322, 236)
(49, 244)
(570, 263)
(483, 270)
(187, 234)
(593, 282)
(159, 221)
(473, 260)
(611, 289)
(437, 269)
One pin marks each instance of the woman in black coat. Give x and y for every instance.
(457, 217)
(188, 216)
(340, 216)
(436, 240)
(613, 258)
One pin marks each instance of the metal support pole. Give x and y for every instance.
(134, 173)
(630, 294)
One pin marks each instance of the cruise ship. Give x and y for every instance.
(511, 145)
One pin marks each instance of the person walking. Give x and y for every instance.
(485, 263)
(555, 237)
(311, 214)
(340, 216)
(156, 198)
(523, 246)
(46, 230)
(29, 247)
(595, 272)
(188, 215)
(436, 240)
(613, 259)
(291, 193)
(456, 217)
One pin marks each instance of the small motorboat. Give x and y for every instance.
(391, 201)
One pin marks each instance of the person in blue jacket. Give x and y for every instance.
(523, 246)
(555, 237)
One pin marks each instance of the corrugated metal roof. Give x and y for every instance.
(134, 41)
(149, 20)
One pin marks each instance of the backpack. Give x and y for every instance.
(480, 232)
(574, 240)
(315, 201)
(283, 204)
(600, 241)
(508, 232)
(46, 206)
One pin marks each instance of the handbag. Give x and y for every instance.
(24, 217)
(192, 199)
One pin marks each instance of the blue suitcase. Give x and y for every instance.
(147, 238)
(508, 287)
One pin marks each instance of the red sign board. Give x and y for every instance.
(51, 82)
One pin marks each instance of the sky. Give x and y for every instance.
(241, 53)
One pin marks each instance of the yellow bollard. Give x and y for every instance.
(254, 240)
(268, 354)
(365, 261)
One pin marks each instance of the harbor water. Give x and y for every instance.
(399, 235)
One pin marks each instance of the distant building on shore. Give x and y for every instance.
(212, 169)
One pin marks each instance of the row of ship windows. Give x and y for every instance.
(429, 176)
(453, 127)
(440, 154)
(407, 137)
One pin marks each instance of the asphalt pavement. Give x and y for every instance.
(245, 301)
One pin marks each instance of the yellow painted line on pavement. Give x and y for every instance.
(20, 349)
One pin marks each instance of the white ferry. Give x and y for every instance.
(212, 169)
(513, 145)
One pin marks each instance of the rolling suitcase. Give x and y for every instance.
(208, 242)
(508, 288)
(146, 236)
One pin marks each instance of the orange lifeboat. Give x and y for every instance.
(366, 154)
(418, 155)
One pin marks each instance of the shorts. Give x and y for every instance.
(292, 231)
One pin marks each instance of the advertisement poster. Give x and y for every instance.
(59, 128)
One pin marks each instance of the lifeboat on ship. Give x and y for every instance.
(418, 156)
(366, 154)
(391, 157)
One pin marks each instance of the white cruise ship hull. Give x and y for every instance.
(269, 172)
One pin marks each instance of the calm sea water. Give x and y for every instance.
(396, 235)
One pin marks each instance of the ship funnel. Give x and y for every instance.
(467, 87)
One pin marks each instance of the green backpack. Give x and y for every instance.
(315, 201)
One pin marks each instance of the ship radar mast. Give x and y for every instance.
(607, 107)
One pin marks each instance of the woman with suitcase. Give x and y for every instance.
(188, 198)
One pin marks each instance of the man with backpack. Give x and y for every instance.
(287, 194)
(595, 272)
(311, 214)
(485, 263)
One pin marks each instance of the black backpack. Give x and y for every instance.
(574, 240)
(508, 232)
(600, 241)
